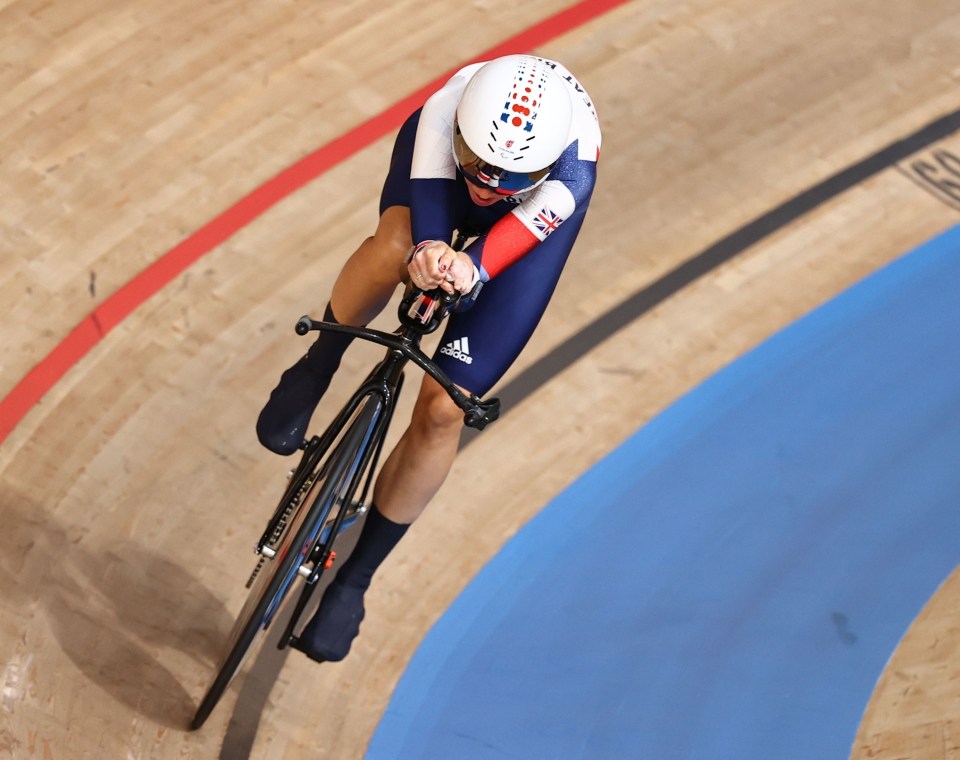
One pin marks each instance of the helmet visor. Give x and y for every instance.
(479, 172)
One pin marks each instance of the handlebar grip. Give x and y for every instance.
(304, 325)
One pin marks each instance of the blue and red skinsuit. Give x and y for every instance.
(526, 237)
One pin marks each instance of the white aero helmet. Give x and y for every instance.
(513, 122)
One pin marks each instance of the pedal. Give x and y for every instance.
(310, 574)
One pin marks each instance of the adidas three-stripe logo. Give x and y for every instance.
(458, 349)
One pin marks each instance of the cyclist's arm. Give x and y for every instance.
(565, 193)
(433, 171)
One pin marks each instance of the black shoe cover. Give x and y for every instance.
(331, 631)
(282, 424)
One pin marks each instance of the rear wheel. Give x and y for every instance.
(289, 550)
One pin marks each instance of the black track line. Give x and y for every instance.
(626, 312)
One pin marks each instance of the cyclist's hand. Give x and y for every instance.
(461, 274)
(436, 264)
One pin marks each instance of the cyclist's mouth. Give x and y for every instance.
(480, 198)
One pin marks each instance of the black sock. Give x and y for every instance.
(377, 539)
(324, 356)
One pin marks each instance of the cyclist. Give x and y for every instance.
(509, 147)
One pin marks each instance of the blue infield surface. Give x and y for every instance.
(729, 583)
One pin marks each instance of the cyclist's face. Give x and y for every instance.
(482, 196)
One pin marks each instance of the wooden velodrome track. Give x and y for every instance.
(132, 492)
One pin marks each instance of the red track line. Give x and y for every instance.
(117, 307)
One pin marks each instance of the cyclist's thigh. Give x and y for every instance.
(480, 344)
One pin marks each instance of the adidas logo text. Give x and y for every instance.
(458, 349)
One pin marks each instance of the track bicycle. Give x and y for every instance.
(327, 491)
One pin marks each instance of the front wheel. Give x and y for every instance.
(328, 484)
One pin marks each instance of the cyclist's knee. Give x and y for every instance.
(393, 238)
(435, 413)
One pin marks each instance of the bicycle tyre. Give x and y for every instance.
(303, 528)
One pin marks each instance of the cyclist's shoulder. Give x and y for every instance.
(455, 85)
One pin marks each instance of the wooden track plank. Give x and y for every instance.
(122, 148)
(135, 489)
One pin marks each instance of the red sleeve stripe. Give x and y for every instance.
(508, 240)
